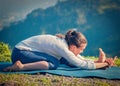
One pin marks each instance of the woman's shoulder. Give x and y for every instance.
(42, 36)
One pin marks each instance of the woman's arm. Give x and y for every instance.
(74, 60)
(81, 57)
(60, 35)
(101, 65)
(108, 62)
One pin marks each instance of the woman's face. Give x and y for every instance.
(76, 50)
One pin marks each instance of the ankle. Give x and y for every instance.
(19, 65)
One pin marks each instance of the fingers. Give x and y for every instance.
(110, 61)
(60, 35)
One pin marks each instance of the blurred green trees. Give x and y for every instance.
(5, 52)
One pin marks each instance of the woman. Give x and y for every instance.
(46, 51)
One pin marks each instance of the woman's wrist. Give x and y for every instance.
(107, 64)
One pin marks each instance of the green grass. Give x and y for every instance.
(49, 80)
(117, 62)
(5, 52)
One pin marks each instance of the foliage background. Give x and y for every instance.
(99, 20)
(5, 52)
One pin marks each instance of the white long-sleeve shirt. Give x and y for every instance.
(56, 47)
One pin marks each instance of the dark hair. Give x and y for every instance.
(73, 37)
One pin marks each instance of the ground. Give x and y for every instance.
(53, 80)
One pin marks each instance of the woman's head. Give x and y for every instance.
(75, 38)
(76, 41)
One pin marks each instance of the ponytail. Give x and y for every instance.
(73, 37)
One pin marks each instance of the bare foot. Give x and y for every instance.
(102, 56)
(114, 59)
(15, 67)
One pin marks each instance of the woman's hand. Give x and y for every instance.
(111, 61)
(60, 35)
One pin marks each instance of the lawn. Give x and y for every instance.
(52, 80)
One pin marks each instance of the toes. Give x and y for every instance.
(115, 58)
(101, 52)
(100, 49)
(7, 69)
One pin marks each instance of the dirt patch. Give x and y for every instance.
(71, 81)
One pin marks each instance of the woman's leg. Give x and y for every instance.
(30, 60)
(102, 56)
(17, 66)
(26, 56)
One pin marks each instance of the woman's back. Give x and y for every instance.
(43, 43)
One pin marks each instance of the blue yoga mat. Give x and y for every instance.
(109, 73)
